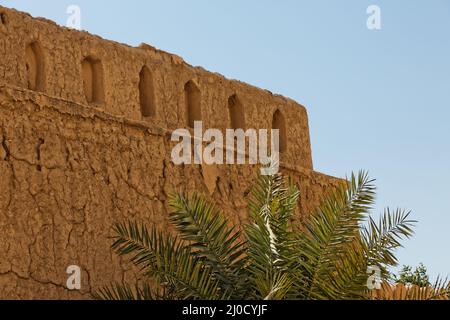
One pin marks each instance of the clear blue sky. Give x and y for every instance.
(377, 100)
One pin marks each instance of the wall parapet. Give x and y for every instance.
(139, 83)
(13, 95)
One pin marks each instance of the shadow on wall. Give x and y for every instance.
(92, 70)
(279, 123)
(236, 112)
(146, 93)
(193, 103)
(34, 63)
(2, 18)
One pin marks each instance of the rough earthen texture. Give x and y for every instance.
(82, 147)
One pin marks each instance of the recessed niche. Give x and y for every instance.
(279, 123)
(146, 92)
(92, 70)
(35, 67)
(193, 103)
(236, 113)
(2, 18)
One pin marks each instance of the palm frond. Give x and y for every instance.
(168, 260)
(380, 240)
(331, 233)
(118, 291)
(278, 289)
(327, 257)
(269, 236)
(205, 228)
(375, 246)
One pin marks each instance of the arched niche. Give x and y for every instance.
(279, 122)
(193, 103)
(236, 113)
(146, 92)
(35, 66)
(92, 70)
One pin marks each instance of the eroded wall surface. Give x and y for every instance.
(70, 167)
(61, 53)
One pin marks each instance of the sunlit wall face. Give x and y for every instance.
(377, 99)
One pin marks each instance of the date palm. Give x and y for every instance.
(275, 256)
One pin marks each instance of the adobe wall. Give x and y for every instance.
(69, 168)
(64, 49)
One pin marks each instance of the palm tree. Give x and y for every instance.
(273, 257)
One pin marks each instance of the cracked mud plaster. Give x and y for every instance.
(75, 66)
(69, 177)
(70, 170)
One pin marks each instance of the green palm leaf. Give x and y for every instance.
(168, 260)
(211, 240)
(269, 236)
(330, 236)
(276, 257)
(125, 292)
(380, 240)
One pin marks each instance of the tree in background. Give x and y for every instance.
(418, 277)
(413, 284)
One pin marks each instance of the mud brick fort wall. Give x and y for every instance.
(85, 141)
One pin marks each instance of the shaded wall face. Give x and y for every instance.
(236, 113)
(86, 69)
(35, 67)
(93, 83)
(146, 92)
